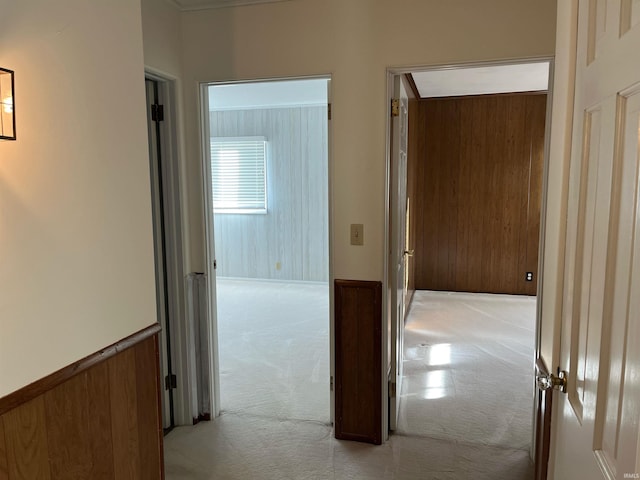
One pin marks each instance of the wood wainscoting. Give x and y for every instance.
(358, 368)
(97, 419)
(475, 214)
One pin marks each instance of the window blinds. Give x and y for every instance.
(238, 174)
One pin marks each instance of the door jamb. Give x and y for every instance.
(390, 73)
(541, 247)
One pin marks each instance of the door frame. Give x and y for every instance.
(168, 86)
(205, 153)
(391, 72)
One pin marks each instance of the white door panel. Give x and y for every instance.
(398, 257)
(159, 239)
(597, 422)
(617, 428)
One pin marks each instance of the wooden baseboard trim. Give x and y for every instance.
(39, 387)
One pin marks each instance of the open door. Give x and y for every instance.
(597, 421)
(158, 194)
(211, 383)
(398, 242)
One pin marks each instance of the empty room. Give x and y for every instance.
(475, 183)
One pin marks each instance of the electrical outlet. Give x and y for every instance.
(529, 277)
(357, 234)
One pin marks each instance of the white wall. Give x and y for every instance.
(354, 41)
(162, 44)
(162, 37)
(76, 250)
(290, 241)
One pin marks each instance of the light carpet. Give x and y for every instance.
(465, 405)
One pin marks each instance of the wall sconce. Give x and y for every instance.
(7, 106)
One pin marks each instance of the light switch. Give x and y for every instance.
(357, 234)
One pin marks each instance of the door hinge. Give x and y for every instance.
(329, 111)
(395, 107)
(215, 264)
(170, 382)
(157, 113)
(392, 389)
(331, 383)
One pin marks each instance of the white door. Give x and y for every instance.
(397, 257)
(160, 251)
(211, 266)
(596, 423)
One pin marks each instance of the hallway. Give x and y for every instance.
(457, 419)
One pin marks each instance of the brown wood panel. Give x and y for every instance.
(26, 441)
(478, 166)
(358, 369)
(101, 423)
(4, 469)
(68, 434)
(412, 174)
(124, 418)
(149, 423)
(536, 110)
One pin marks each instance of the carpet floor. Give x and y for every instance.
(465, 402)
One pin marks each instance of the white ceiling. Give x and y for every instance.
(205, 4)
(525, 77)
(269, 94)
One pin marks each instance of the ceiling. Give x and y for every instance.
(268, 94)
(523, 77)
(206, 4)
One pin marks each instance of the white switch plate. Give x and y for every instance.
(357, 234)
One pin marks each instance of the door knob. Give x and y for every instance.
(551, 381)
(409, 253)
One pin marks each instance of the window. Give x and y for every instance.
(238, 174)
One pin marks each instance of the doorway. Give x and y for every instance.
(455, 279)
(267, 187)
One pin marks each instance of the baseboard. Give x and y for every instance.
(275, 280)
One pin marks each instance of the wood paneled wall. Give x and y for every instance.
(478, 165)
(101, 423)
(412, 191)
(358, 368)
(294, 232)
